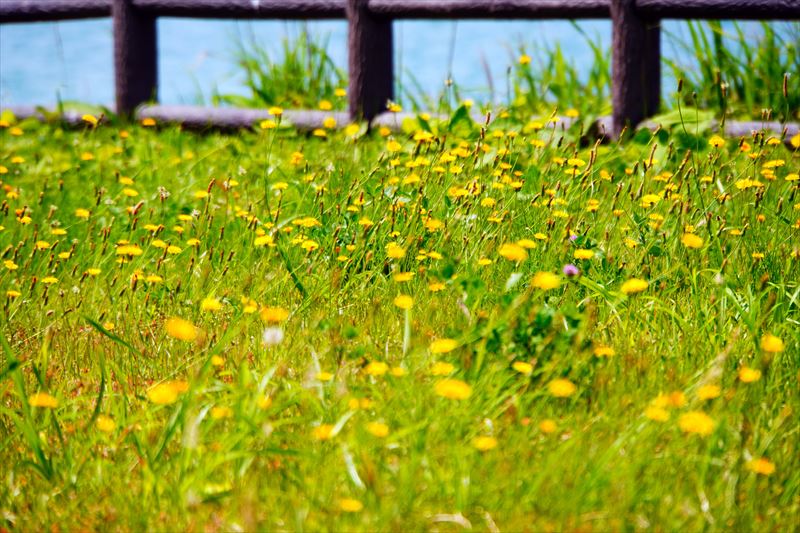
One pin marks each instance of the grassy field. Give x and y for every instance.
(453, 327)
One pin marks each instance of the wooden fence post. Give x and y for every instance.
(135, 56)
(370, 61)
(635, 64)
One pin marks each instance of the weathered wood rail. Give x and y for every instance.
(636, 37)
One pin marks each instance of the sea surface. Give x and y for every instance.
(42, 63)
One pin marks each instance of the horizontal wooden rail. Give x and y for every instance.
(226, 9)
(636, 36)
(490, 9)
(50, 10)
(720, 9)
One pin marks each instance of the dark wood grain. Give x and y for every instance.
(226, 9)
(720, 9)
(370, 61)
(490, 9)
(49, 10)
(135, 56)
(635, 65)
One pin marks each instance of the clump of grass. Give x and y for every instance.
(301, 76)
(545, 79)
(740, 75)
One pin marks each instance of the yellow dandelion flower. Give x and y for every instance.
(658, 414)
(708, 392)
(453, 389)
(105, 424)
(634, 286)
(484, 443)
(376, 368)
(604, 351)
(264, 402)
(349, 505)
(351, 130)
(561, 388)
(547, 426)
(42, 399)
(546, 281)
(181, 329)
(274, 315)
(395, 251)
(130, 250)
(749, 375)
(378, 429)
(220, 412)
(771, 343)
(322, 432)
(761, 466)
(403, 301)
(166, 393)
(443, 345)
(264, 240)
(716, 141)
(210, 304)
(696, 422)
(513, 252)
(441, 368)
(393, 146)
(690, 240)
(522, 367)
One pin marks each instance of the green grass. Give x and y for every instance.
(301, 76)
(740, 75)
(731, 70)
(222, 432)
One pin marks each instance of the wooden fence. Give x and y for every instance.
(636, 37)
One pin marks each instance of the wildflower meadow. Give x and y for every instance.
(495, 324)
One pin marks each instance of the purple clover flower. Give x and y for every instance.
(570, 270)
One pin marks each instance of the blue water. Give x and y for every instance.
(72, 60)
